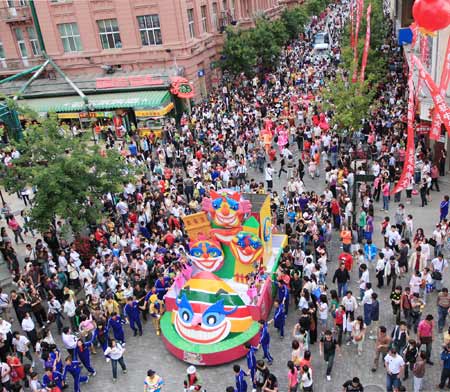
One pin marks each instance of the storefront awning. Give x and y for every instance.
(137, 100)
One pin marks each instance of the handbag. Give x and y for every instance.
(436, 275)
(432, 242)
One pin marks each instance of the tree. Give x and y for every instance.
(238, 53)
(349, 101)
(280, 34)
(70, 176)
(294, 21)
(265, 43)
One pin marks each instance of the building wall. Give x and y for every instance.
(177, 48)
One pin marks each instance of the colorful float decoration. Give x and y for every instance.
(210, 316)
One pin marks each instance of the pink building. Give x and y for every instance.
(95, 37)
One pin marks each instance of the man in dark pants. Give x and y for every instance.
(445, 374)
(327, 348)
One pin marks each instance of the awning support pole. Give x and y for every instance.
(31, 80)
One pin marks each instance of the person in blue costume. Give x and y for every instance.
(115, 323)
(279, 318)
(264, 340)
(102, 333)
(132, 314)
(83, 354)
(74, 368)
(50, 376)
(283, 295)
(251, 361)
(161, 286)
(239, 374)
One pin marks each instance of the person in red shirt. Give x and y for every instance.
(347, 259)
(17, 370)
(169, 238)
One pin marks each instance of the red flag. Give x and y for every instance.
(352, 21)
(359, 10)
(440, 105)
(435, 131)
(366, 45)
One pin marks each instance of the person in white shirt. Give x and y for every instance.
(69, 340)
(5, 371)
(69, 309)
(363, 280)
(22, 347)
(30, 329)
(5, 329)
(438, 264)
(350, 305)
(269, 176)
(5, 305)
(394, 365)
(114, 352)
(55, 308)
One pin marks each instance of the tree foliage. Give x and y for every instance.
(266, 43)
(238, 53)
(70, 176)
(294, 21)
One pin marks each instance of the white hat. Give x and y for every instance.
(191, 369)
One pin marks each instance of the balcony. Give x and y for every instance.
(15, 14)
(12, 66)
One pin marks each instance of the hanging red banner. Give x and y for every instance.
(440, 105)
(436, 122)
(352, 21)
(423, 58)
(359, 10)
(366, 45)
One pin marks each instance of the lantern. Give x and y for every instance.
(431, 15)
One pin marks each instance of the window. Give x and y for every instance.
(191, 24)
(10, 3)
(70, 37)
(34, 41)
(23, 3)
(224, 5)
(2, 51)
(204, 19)
(21, 43)
(109, 33)
(150, 30)
(215, 21)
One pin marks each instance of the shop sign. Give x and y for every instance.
(182, 88)
(128, 81)
(91, 115)
(154, 113)
(67, 115)
(423, 128)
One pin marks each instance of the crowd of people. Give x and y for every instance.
(274, 126)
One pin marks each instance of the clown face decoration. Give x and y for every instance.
(226, 208)
(200, 323)
(206, 254)
(246, 247)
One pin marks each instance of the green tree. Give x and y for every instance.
(280, 34)
(349, 101)
(70, 176)
(238, 53)
(294, 20)
(265, 43)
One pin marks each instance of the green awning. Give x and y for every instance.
(137, 100)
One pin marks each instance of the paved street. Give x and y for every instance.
(148, 351)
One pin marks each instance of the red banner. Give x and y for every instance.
(359, 10)
(440, 105)
(435, 131)
(423, 57)
(366, 45)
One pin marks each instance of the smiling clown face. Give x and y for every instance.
(246, 247)
(206, 254)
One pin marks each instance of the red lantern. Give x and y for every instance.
(431, 15)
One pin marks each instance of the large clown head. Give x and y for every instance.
(204, 305)
(246, 247)
(226, 208)
(206, 254)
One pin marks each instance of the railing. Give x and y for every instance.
(15, 14)
(19, 64)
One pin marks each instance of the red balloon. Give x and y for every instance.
(432, 15)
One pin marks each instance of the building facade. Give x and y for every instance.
(105, 36)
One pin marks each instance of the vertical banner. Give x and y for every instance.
(359, 10)
(440, 105)
(352, 20)
(366, 45)
(435, 131)
(410, 157)
(423, 57)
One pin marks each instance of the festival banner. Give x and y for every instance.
(366, 45)
(423, 58)
(359, 10)
(352, 21)
(435, 131)
(440, 105)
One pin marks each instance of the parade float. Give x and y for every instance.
(233, 255)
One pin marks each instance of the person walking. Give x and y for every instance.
(425, 335)
(132, 312)
(114, 353)
(292, 377)
(342, 277)
(394, 365)
(153, 382)
(22, 347)
(261, 375)
(381, 346)
(445, 373)
(264, 340)
(251, 361)
(74, 368)
(327, 348)
(239, 374)
(353, 385)
(443, 306)
(419, 371)
(192, 381)
(83, 354)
